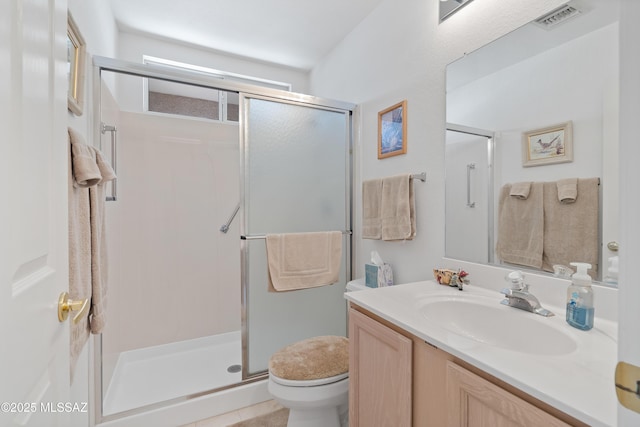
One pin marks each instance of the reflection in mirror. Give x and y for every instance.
(534, 78)
(468, 199)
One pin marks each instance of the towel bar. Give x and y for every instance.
(264, 236)
(421, 176)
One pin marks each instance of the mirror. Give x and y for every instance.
(559, 71)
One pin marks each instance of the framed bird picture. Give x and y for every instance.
(553, 144)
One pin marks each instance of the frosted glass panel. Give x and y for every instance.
(296, 168)
(296, 180)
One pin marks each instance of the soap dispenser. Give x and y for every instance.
(580, 298)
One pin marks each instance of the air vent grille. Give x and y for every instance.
(557, 16)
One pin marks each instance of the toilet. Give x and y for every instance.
(311, 378)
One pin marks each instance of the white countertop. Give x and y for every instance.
(579, 383)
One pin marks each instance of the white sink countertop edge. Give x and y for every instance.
(579, 383)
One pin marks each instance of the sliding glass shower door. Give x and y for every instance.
(189, 311)
(296, 172)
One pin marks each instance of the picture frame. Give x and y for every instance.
(553, 144)
(76, 51)
(392, 130)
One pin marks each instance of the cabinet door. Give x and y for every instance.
(379, 374)
(475, 402)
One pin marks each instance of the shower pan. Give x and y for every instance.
(191, 325)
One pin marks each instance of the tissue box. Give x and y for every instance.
(371, 275)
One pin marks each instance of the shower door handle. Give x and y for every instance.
(470, 166)
(114, 154)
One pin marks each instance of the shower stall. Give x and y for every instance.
(206, 169)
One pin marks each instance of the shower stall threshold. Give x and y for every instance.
(155, 374)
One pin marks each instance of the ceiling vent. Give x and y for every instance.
(557, 16)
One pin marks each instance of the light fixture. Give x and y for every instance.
(449, 7)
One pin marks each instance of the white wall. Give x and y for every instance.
(95, 22)
(173, 276)
(400, 52)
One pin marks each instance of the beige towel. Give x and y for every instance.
(521, 227)
(79, 239)
(571, 230)
(371, 198)
(567, 190)
(520, 190)
(303, 260)
(84, 170)
(88, 173)
(398, 208)
(97, 196)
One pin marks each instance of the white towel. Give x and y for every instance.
(398, 208)
(371, 213)
(303, 260)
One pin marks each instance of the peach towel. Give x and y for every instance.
(303, 260)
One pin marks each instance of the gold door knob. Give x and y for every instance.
(66, 305)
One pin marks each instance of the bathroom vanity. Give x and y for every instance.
(424, 354)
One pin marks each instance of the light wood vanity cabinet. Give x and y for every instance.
(379, 374)
(397, 379)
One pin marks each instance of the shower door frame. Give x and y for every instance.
(101, 64)
(244, 249)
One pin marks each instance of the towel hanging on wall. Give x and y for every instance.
(88, 174)
(388, 207)
(398, 213)
(371, 209)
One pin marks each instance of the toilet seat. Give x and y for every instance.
(311, 378)
(308, 383)
(313, 359)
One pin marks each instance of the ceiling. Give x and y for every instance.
(294, 33)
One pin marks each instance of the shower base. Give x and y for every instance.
(155, 374)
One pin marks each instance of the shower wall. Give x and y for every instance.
(173, 275)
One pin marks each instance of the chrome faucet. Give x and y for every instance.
(518, 295)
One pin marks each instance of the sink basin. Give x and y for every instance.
(489, 322)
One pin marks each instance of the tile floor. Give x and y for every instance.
(236, 416)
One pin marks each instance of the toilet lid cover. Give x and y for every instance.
(312, 359)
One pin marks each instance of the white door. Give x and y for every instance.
(34, 361)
